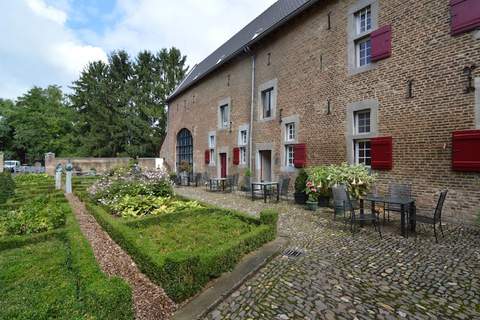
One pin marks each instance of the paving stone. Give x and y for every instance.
(388, 278)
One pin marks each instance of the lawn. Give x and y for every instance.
(47, 267)
(183, 249)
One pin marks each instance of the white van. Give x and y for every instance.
(10, 165)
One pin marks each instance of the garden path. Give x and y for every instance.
(150, 301)
(340, 276)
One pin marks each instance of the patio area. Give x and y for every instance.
(340, 276)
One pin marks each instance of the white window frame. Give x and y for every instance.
(290, 132)
(356, 116)
(270, 86)
(289, 156)
(212, 145)
(358, 52)
(359, 15)
(270, 93)
(352, 133)
(243, 155)
(357, 152)
(243, 137)
(224, 116)
(358, 35)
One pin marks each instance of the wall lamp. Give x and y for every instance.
(230, 129)
(467, 71)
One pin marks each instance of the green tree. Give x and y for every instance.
(41, 122)
(121, 105)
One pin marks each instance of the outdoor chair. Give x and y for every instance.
(198, 179)
(397, 191)
(284, 184)
(343, 204)
(437, 215)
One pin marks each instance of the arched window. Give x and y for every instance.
(184, 147)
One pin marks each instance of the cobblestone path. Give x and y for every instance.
(361, 277)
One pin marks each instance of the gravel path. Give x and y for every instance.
(150, 301)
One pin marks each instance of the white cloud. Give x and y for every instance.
(196, 27)
(38, 49)
(46, 11)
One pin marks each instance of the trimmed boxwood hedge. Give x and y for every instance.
(182, 274)
(98, 296)
(7, 186)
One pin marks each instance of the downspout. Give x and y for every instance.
(252, 108)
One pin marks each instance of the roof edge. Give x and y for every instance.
(241, 50)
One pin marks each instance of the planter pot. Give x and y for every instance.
(300, 197)
(312, 205)
(323, 201)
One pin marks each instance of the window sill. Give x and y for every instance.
(288, 169)
(265, 119)
(362, 69)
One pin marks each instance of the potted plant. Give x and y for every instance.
(320, 177)
(300, 196)
(312, 193)
(247, 180)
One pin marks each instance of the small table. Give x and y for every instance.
(403, 202)
(218, 181)
(263, 185)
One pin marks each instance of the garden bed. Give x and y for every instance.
(183, 250)
(47, 268)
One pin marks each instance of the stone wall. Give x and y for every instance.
(310, 64)
(1, 161)
(100, 165)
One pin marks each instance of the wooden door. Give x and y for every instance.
(223, 165)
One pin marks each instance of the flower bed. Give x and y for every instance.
(47, 267)
(179, 244)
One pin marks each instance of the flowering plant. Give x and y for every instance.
(311, 191)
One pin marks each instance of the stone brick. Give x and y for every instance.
(310, 64)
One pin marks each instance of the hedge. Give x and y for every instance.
(99, 296)
(7, 186)
(180, 274)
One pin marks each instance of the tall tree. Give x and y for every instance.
(121, 105)
(39, 122)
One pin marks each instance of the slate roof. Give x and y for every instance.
(272, 18)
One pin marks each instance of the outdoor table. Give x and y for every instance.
(218, 181)
(403, 202)
(264, 186)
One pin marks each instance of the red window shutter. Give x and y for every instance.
(207, 156)
(465, 15)
(236, 156)
(300, 155)
(381, 42)
(466, 151)
(382, 153)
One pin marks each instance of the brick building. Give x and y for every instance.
(380, 82)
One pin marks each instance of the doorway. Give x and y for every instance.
(223, 165)
(265, 165)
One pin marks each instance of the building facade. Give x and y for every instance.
(335, 81)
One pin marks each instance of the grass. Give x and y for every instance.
(54, 274)
(193, 232)
(35, 283)
(183, 250)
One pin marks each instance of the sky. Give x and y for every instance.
(49, 42)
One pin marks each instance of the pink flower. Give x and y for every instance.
(314, 190)
(309, 184)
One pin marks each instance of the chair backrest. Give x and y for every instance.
(437, 216)
(341, 199)
(400, 190)
(285, 182)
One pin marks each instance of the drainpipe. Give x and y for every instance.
(252, 108)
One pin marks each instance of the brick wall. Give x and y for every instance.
(310, 64)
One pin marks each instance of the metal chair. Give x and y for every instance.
(397, 191)
(284, 184)
(437, 215)
(342, 203)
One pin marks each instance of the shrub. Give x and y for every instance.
(269, 217)
(301, 181)
(39, 214)
(141, 205)
(7, 187)
(32, 179)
